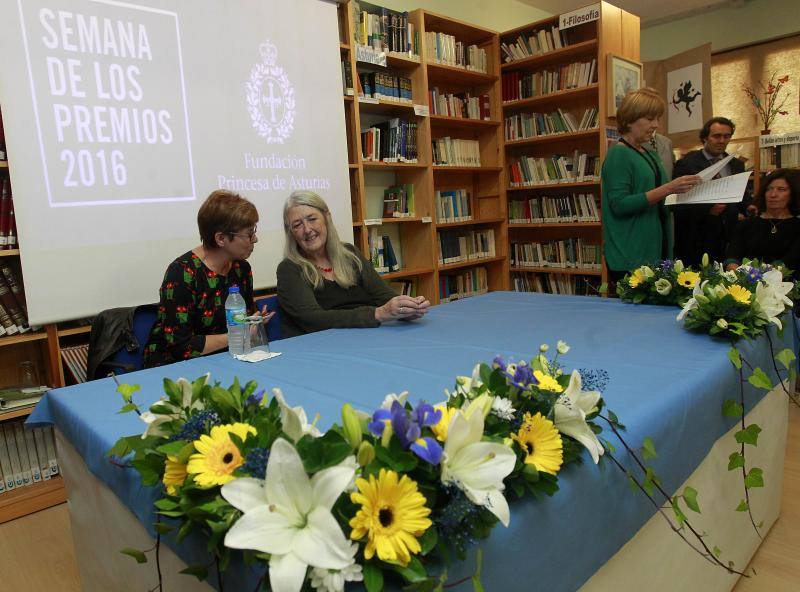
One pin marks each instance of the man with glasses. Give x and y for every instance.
(707, 228)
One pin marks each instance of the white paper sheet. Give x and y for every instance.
(723, 190)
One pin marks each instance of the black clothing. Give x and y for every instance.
(754, 239)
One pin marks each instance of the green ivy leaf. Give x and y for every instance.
(742, 507)
(735, 358)
(136, 554)
(717, 552)
(731, 408)
(679, 515)
(649, 449)
(198, 571)
(735, 461)
(690, 497)
(749, 435)
(127, 391)
(172, 448)
(760, 380)
(373, 578)
(755, 478)
(786, 357)
(128, 408)
(162, 528)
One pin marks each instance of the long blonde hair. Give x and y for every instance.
(346, 264)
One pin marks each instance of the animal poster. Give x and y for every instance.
(684, 99)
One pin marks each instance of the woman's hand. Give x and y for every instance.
(402, 308)
(679, 185)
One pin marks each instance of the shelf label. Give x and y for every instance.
(367, 54)
(587, 14)
(372, 222)
(778, 140)
(426, 219)
(421, 110)
(370, 100)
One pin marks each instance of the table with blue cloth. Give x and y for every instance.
(665, 382)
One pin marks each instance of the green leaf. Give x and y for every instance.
(166, 504)
(679, 515)
(127, 391)
(162, 528)
(476, 584)
(690, 497)
(198, 571)
(735, 358)
(731, 408)
(414, 572)
(136, 554)
(786, 357)
(649, 449)
(321, 453)
(760, 380)
(428, 540)
(373, 577)
(172, 448)
(120, 448)
(717, 552)
(749, 435)
(128, 408)
(755, 478)
(742, 507)
(735, 461)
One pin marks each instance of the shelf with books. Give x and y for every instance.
(555, 186)
(554, 225)
(552, 138)
(471, 262)
(27, 500)
(464, 122)
(562, 270)
(9, 253)
(384, 106)
(536, 62)
(470, 222)
(581, 94)
(407, 272)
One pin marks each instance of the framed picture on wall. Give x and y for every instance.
(623, 75)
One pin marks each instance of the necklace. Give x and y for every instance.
(324, 269)
(774, 225)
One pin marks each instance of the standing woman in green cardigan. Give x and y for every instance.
(636, 225)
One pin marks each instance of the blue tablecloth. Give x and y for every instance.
(666, 383)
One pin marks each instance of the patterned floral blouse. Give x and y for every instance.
(192, 305)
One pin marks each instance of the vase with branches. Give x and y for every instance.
(768, 100)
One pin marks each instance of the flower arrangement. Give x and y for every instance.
(668, 282)
(386, 495)
(767, 101)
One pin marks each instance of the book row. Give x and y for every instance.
(528, 171)
(444, 49)
(381, 252)
(383, 29)
(8, 223)
(460, 105)
(531, 125)
(455, 246)
(553, 210)
(543, 40)
(398, 201)
(386, 87)
(463, 285)
(391, 141)
(567, 253)
(404, 287)
(26, 456)
(449, 151)
(785, 156)
(517, 85)
(453, 206)
(13, 309)
(555, 283)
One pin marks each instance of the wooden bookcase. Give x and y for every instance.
(615, 32)
(416, 237)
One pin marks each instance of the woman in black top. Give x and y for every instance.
(774, 236)
(324, 283)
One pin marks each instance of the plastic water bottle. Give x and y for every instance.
(235, 313)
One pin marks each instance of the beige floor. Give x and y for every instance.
(36, 553)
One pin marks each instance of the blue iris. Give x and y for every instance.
(666, 264)
(256, 398)
(407, 426)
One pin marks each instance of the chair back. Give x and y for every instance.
(118, 346)
(274, 326)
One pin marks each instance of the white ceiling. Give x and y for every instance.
(650, 11)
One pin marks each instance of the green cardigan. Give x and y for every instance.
(632, 228)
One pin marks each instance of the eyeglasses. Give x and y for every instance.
(249, 235)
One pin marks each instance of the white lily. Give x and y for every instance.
(772, 300)
(289, 516)
(477, 468)
(154, 420)
(692, 303)
(465, 384)
(293, 419)
(571, 409)
(389, 399)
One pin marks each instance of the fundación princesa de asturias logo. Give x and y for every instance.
(270, 97)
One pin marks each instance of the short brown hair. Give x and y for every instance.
(645, 102)
(794, 188)
(224, 211)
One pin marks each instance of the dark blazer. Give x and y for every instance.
(696, 231)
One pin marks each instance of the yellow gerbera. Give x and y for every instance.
(688, 279)
(547, 382)
(740, 294)
(392, 516)
(174, 474)
(540, 440)
(440, 429)
(217, 456)
(637, 277)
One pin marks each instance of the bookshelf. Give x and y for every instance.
(416, 237)
(558, 76)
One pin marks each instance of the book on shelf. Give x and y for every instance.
(522, 126)
(13, 454)
(13, 397)
(573, 253)
(580, 207)
(449, 151)
(784, 153)
(520, 85)
(459, 105)
(384, 30)
(527, 171)
(404, 287)
(456, 246)
(9, 303)
(393, 141)
(347, 79)
(22, 450)
(398, 201)
(555, 283)
(33, 459)
(445, 49)
(6, 473)
(385, 86)
(381, 252)
(455, 286)
(540, 41)
(453, 206)
(7, 233)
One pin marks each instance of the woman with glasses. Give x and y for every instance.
(191, 313)
(324, 283)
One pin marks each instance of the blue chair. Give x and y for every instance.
(274, 326)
